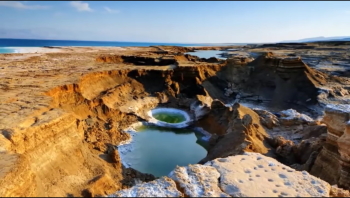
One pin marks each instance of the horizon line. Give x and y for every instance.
(137, 41)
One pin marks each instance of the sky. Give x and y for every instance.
(174, 21)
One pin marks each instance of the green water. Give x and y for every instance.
(158, 150)
(169, 117)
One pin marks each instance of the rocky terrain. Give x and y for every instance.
(247, 175)
(63, 112)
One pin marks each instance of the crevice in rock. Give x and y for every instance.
(179, 188)
(219, 183)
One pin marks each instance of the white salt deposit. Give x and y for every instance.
(206, 135)
(344, 108)
(154, 121)
(126, 146)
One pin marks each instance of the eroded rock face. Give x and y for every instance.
(198, 181)
(69, 144)
(247, 175)
(201, 107)
(270, 76)
(267, 119)
(332, 164)
(343, 148)
(241, 131)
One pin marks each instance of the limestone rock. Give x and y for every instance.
(198, 181)
(292, 117)
(243, 133)
(308, 164)
(201, 106)
(114, 155)
(247, 120)
(162, 97)
(339, 192)
(99, 186)
(239, 60)
(284, 147)
(267, 119)
(163, 187)
(336, 117)
(340, 91)
(247, 175)
(332, 164)
(304, 149)
(343, 148)
(254, 175)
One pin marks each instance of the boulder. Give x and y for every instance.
(267, 118)
(291, 117)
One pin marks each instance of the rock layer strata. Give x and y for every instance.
(333, 163)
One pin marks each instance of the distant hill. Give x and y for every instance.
(321, 38)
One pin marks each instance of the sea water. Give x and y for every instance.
(207, 53)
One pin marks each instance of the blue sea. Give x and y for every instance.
(61, 43)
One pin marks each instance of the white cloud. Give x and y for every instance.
(19, 5)
(80, 6)
(111, 10)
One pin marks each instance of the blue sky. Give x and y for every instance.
(174, 21)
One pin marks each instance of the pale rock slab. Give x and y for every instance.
(198, 181)
(247, 175)
(255, 175)
(163, 187)
(292, 117)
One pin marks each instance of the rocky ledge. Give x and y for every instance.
(247, 175)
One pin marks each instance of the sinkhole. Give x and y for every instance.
(157, 150)
(164, 142)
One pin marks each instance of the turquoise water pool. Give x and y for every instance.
(207, 53)
(158, 150)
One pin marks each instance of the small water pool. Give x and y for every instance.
(169, 117)
(207, 53)
(157, 150)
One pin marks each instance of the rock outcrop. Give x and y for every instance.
(247, 175)
(269, 76)
(62, 113)
(333, 163)
(238, 129)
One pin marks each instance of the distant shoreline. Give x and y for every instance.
(31, 49)
(54, 49)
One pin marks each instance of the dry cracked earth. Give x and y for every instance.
(62, 112)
